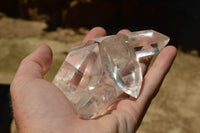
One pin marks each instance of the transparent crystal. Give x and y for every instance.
(96, 73)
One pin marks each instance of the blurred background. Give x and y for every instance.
(62, 24)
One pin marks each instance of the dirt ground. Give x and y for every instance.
(175, 109)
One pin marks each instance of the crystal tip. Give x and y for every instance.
(162, 40)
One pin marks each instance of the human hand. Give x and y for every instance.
(39, 106)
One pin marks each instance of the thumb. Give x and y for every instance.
(36, 64)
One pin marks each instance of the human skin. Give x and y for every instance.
(39, 106)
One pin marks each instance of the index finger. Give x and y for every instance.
(94, 33)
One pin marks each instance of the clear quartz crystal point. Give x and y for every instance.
(97, 72)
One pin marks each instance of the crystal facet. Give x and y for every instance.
(97, 72)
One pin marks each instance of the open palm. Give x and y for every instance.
(39, 106)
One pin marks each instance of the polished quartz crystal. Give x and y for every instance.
(96, 73)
